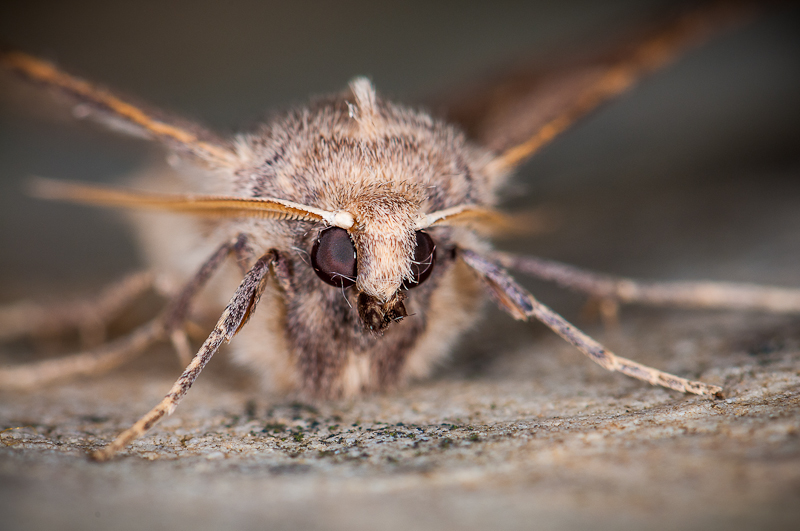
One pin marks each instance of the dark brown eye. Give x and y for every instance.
(424, 259)
(334, 257)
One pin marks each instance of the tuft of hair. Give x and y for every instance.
(365, 110)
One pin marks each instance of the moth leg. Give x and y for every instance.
(233, 317)
(88, 316)
(520, 304)
(718, 295)
(604, 310)
(123, 349)
(93, 361)
(180, 342)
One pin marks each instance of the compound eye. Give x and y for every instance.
(424, 259)
(334, 257)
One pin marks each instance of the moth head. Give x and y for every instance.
(388, 249)
(382, 254)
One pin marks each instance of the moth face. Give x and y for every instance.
(382, 256)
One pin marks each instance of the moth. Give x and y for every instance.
(353, 231)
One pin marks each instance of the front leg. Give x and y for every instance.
(235, 315)
(520, 304)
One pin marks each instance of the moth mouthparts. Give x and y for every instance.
(377, 316)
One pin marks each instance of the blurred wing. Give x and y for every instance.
(177, 134)
(519, 112)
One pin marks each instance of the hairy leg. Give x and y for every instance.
(520, 304)
(235, 315)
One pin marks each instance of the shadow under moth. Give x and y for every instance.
(349, 237)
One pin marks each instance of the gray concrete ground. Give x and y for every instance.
(694, 176)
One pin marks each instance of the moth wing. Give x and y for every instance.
(523, 109)
(122, 113)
